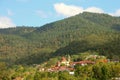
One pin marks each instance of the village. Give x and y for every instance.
(67, 69)
(65, 63)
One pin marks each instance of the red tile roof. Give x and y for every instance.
(63, 59)
(84, 62)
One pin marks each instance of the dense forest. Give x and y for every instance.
(84, 32)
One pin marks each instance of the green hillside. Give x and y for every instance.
(73, 35)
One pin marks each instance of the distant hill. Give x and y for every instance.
(73, 35)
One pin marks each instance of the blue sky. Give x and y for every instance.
(39, 12)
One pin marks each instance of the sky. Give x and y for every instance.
(39, 12)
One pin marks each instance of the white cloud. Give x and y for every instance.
(117, 13)
(94, 9)
(71, 10)
(6, 22)
(67, 10)
(41, 13)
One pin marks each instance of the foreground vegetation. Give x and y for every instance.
(99, 71)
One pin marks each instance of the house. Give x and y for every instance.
(82, 63)
(61, 68)
(64, 61)
(41, 69)
(71, 73)
(62, 65)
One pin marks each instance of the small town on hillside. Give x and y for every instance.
(65, 63)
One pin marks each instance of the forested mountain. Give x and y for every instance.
(73, 35)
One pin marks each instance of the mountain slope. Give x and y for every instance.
(61, 33)
(80, 33)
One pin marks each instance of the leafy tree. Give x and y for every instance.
(101, 71)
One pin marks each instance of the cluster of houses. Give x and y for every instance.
(65, 64)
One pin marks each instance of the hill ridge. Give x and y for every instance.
(31, 45)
